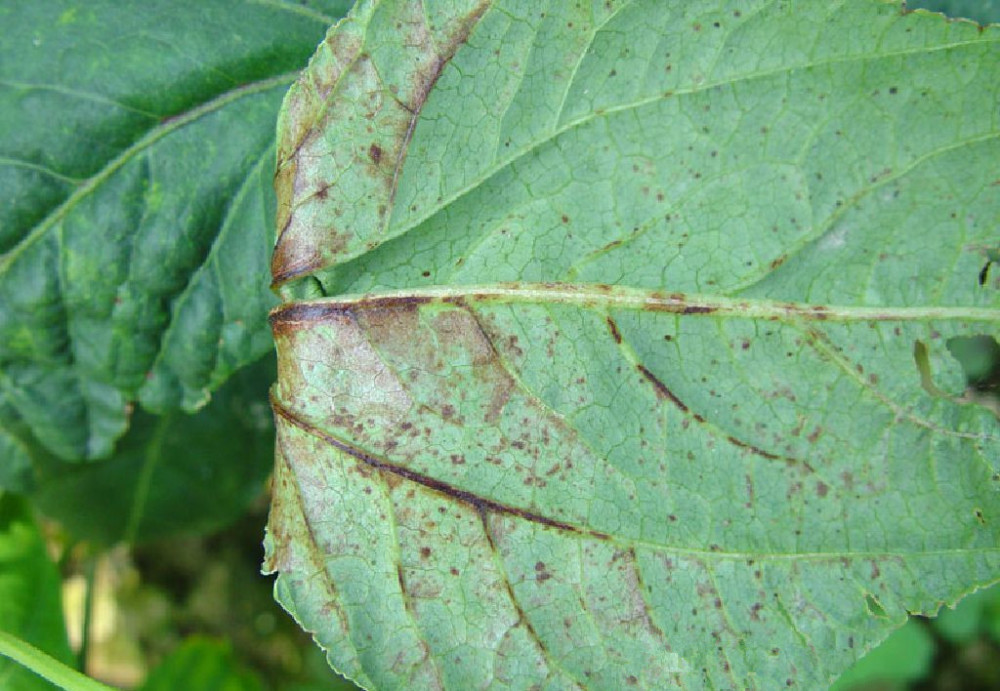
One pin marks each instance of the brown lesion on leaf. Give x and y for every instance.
(753, 448)
(394, 473)
(352, 77)
(401, 579)
(285, 268)
(664, 392)
(636, 589)
(288, 515)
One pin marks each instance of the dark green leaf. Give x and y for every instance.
(30, 601)
(201, 664)
(136, 154)
(15, 457)
(172, 473)
(904, 656)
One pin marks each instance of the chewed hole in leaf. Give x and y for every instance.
(875, 608)
(979, 357)
(982, 13)
(992, 255)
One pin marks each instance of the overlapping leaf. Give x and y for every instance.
(617, 386)
(135, 159)
(170, 474)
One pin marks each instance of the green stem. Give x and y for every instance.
(88, 613)
(46, 666)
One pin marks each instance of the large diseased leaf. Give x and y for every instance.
(637, 369)
(136, 145)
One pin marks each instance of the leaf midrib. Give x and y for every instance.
(607, 298)
(627, 298)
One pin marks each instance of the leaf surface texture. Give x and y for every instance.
(615, 386)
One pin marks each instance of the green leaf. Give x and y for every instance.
(904, 656)
(971, 618)
(316, 675)
(618, 385)
(201, 664)
(15, 470)
(170, 474)
(136, 149)
(30, 602)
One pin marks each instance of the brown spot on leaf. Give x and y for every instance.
(541, 573)
(375, 153)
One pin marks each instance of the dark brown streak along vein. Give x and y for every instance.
(421, 97)
(474, 500)
(468, 23)
(665, 391)
(661, 387)
(521, 616)
(615, 333)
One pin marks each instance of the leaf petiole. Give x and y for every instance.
(46, 666)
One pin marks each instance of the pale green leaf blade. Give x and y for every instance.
(136, 159)
(440, 460)
(636, 400)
